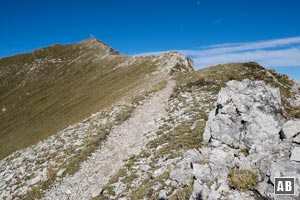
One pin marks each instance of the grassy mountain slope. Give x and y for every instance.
(44, 91)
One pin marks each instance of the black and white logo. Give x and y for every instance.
(284, 185)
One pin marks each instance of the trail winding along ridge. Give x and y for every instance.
(124, 140)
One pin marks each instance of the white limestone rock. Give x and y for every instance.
(97, 192)
(249, 115)
(34, 181)
(159, 172)
(163, 195)
(144, 168)
(221, 162)
(248, 112)
(193, 155)
(60, 172)
(182, 173)
(202, 173)
(295, 155)
(291, 128)
(214, 195)
(297, 139)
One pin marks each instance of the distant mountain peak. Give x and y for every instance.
(93, 43)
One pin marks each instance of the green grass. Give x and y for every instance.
(60, 94)
(36, 193)
(184, 193)
(145, 190)
(242, 179)
(245, 151)
(181, 138)
(126, 114)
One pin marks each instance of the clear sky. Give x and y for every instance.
(209, 31)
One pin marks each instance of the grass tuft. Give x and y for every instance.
(242, 179)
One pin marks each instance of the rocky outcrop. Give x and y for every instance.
(174, 62)
(247, 131)
(249, 113)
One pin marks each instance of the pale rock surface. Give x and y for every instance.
(96, 192)
(34, 181)
(182, 172)
(60, 172)
(159, 172)
(295, 99)
(192, 155)
(214, 195)
(202, 172)
(250, 118)
(295, 155)
(163, 195)
(297, 139)
(248, 108)
(291, 128)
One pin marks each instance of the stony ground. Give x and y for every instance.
(24, 169)
(157, 170)
(124, 140)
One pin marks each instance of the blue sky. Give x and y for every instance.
(209, 31)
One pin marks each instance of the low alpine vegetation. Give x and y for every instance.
(242, 179)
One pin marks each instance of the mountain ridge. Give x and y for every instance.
(42, 90)
(101, 107)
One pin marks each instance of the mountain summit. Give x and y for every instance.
(92, 43)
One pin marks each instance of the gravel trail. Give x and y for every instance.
(125, 140)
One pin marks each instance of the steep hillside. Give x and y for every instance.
(44, 91)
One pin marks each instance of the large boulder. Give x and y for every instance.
(248, 114)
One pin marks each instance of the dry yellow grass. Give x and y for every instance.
(242, 179)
